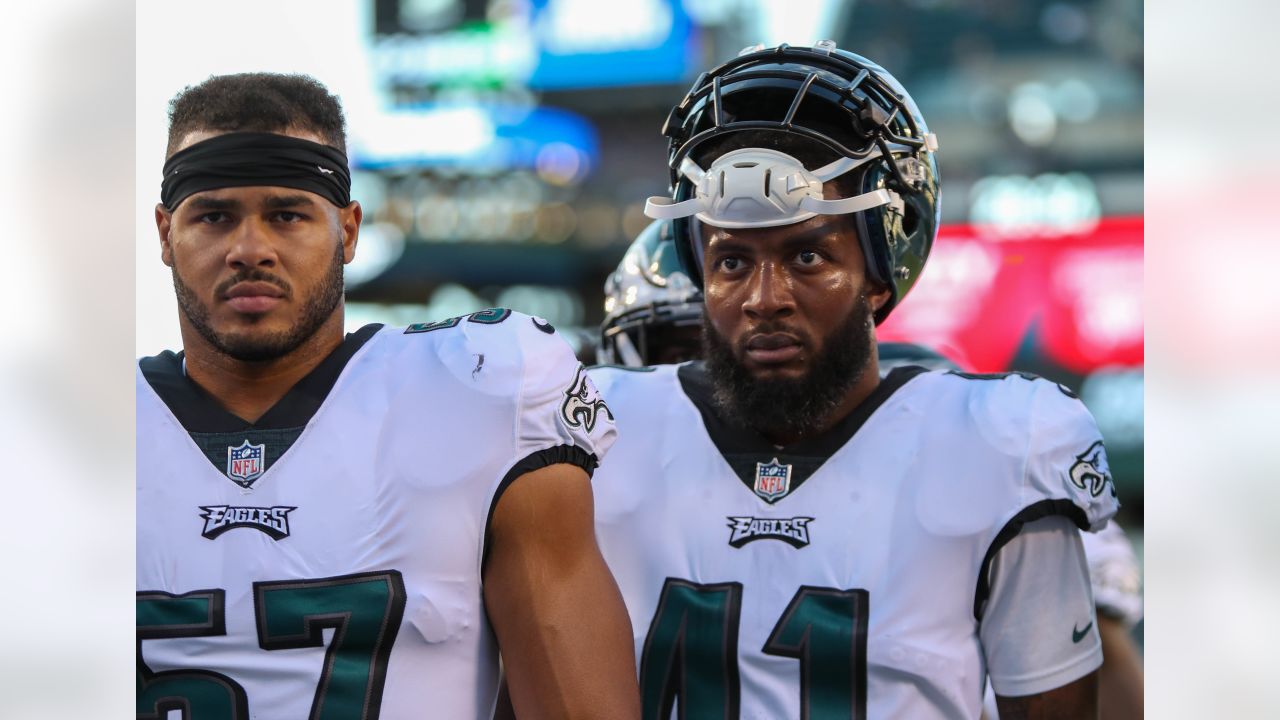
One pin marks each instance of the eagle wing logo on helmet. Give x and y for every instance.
(1091, 470)
(582, 403)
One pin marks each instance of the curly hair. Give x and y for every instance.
(257, 102)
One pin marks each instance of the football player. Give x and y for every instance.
(795, 536)
(338, 526)
(653, 315)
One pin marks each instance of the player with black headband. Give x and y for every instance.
(795, 536)
(338, 526)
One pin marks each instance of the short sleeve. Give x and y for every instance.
(1066, 458)
(1114, 574)
(561, 415)
(1038, 630)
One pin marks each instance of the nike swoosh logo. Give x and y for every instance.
(1078, 635)
(543, 326)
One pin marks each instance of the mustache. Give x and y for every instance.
(253, 275)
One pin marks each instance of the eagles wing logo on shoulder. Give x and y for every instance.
(582, 403)
(1091, 471)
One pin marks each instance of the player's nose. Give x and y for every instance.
(251, 246)
(769, 293)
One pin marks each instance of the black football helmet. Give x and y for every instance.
(847, 105)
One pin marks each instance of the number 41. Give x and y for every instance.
(691, 651)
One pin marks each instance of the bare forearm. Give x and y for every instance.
(577, 660)
(1075, 701)
(555, 608)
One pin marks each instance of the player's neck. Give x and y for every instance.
(249, 389)
(856, 395)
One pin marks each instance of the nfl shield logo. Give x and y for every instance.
(773, 480)
(244, 463)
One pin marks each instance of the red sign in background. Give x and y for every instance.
(1079, 297)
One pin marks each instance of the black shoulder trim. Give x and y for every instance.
(569, 454)
(1031, 513)
(743, 447)
(198, 412)
(1032, 377)
(995, 376)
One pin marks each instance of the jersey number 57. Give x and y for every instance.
(364, 609)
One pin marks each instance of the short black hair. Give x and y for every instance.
(257, 102)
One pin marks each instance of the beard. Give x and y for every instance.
(317, 309)
(791, 407)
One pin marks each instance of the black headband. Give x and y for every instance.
(250, 159)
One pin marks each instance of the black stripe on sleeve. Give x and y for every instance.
(1031, 513)
(570, 454)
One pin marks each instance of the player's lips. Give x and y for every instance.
(253, 297)
(773, 348)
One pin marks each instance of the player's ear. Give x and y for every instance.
(164, 220)
(349, 217)
(878, 295)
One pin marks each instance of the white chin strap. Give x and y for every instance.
(755, 187)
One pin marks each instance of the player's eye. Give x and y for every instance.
(808, 257)
(729, 264)
(287, 216)
(212, 218)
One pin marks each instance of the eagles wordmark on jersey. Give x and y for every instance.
(858, 587)
(325, 562)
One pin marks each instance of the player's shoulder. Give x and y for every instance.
(1008, 405)
(1012, 387)
(1040, 425)
(501, 330)
(497, 343)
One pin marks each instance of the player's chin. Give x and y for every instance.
(252, 328)
(255, 345)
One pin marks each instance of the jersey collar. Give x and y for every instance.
(199, 412)
(744, 448)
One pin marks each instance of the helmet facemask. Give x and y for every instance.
(646, 298)
(813, 115)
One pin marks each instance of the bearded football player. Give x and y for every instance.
(351, 526)
(794, 535)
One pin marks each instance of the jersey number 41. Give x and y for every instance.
(691, 651)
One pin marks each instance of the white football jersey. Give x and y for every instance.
(844, 575)
(325, 562)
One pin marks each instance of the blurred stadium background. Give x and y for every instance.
(502, 150)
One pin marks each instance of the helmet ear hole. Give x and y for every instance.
(910, 219)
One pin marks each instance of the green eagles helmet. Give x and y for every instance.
(831, 104)
(648, 300)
